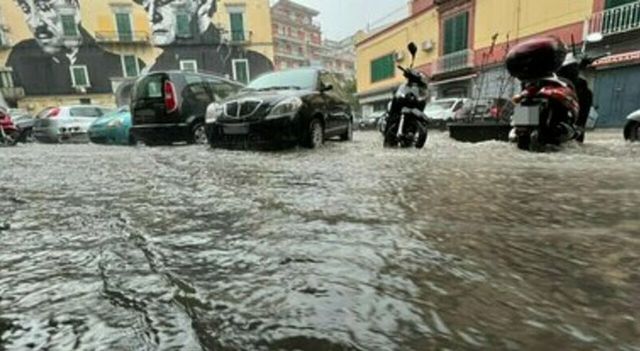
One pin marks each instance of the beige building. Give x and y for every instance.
(297, 36)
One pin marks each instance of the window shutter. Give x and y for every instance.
(69, 28)
(237, 26)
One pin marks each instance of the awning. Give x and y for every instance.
(456, 79)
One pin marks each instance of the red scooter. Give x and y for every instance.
(547, 108)
(9, 133)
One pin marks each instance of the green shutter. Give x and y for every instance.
(183, 25)
(69, 28)
(456, 33)
(130, 66)
(237, 26)
(382, 68)
(242, 71)
(123, 23)
(615, 3)
(80, 77)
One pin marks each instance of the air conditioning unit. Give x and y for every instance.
(399, 55)
(427, 45)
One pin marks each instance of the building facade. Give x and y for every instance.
(339, 56)
(297, 35)
(78, 51)
(467, 47)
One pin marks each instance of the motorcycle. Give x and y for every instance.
(9, 133)
(406, 123)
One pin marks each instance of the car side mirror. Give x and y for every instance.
(326, 87)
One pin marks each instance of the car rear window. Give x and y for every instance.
(150, 87)
(85, 112)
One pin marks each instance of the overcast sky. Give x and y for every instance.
(342, 18)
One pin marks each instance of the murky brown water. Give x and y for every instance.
(351, 247)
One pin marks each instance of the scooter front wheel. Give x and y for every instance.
(422, 137)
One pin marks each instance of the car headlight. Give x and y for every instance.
(285, 108)
(115, 123)
(214, 111)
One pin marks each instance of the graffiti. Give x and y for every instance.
(165, 15)
(43, 65)
(61, 57)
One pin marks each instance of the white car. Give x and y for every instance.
(66, 123)
(441, 111)
(632, 128)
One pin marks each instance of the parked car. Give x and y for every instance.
(113, 128)
(496, 109)
(25, 122)
(440, 112)
(371, 122)
(632, 128)
(66, 123)
(301, 106)
(169, 107)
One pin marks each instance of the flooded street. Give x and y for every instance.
(351, 247)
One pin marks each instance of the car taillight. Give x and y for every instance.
(170, 99)
(53, 113)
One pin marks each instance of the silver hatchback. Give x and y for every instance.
(66, 123)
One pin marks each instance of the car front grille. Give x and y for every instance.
(242, 108)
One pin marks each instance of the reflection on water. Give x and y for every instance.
(350, 247)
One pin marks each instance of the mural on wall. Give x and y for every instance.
(196, 40)
(42, 65)
(54, 59)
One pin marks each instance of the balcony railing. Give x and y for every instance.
(616, 20)
(122, 38)
(455, 61)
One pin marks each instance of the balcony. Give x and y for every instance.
(122, 38)
(289, 38)
(454, 62)
(616, 20)
(291, 55)
(12, 93)
(238, 37)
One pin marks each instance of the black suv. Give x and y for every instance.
(168, 107)
(302, 106)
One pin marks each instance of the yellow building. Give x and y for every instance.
(458, 39)
(79, 51)
(377, 55)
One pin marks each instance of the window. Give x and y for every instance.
(88, 111)
(456, 33)
(183, 25)
(150, 87)
(6, 79)
(130, 66)
(382, 68)
(79, 76)
(69, 28)
(124, 27)
(615, 3)
(237, 26)
(241, 70)
(189, 65)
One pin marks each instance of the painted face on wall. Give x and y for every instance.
(163, 16)
(44, 19)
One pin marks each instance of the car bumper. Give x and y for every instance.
(107, 135)
(62, 134)
(275, 133)
(161, 133)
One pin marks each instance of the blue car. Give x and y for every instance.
(113, 128)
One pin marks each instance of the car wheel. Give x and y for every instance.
(632, 131)
(199, 134)
(315, 134)
(348, 134)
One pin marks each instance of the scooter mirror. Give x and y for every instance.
(594, 37)
(413, 49)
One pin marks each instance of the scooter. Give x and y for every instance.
(547, 108)
(406, 123)
(9, 133)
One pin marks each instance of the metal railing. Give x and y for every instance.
(615, 20)
(120, 37)
(238, 37)
(454, 61)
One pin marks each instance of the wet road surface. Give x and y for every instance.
(350, 247)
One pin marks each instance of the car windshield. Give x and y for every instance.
(304, 79)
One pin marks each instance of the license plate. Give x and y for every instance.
(526, 115)
(236, 130)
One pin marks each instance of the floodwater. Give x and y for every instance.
(350, 247)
